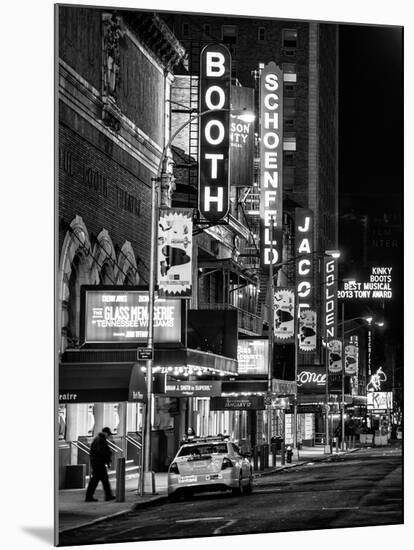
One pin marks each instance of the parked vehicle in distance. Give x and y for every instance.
(209, 464)
(399, 432)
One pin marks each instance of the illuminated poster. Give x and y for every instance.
(241, 138)
(335, 356)
(215, 78)
(121, 315)
(252, 356)
(271, 162)
(174, 259)
(304, 221)
(284, 314)
(379, 400)
(307, 330)
(351, 359)
(330, 300)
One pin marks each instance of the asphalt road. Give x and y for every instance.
(361, 489)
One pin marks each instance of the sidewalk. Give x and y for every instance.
(306, 455)
(75, 512)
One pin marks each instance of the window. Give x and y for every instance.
(288, 158)
(207, 29)
(229, 34)
(289, 177)
(289, 38)
(289, 144)
(289, 72)
(261, 34)
(186, 30)
(289, 89)
(235, 448)
(289, 107)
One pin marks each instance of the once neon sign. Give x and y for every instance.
(215, 80)
(271, 150)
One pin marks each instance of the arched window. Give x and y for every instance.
(79, 276)
(75, 269)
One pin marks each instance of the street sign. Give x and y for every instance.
(144, 354)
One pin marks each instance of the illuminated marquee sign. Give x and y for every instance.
(271, 155)
(374, 384)
(304, 265)
(330, 297)
(192, 388)
(215, 80)
(379, 286)
(311, 379)
(252, 356)
(120, 315)
(379, 401)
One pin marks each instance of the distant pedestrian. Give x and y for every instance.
(100, 457)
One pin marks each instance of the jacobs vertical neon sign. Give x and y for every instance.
(215, 80)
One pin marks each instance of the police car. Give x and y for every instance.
(209, 464)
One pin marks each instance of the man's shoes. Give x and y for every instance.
(91, 499)
(110, 498)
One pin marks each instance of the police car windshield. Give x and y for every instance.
(206, 449)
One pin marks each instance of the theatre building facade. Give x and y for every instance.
(115, 76)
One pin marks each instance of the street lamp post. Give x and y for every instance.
(148, 473)
(343, 380)
(270, 343)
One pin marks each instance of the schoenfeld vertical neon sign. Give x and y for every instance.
(271, 162)
(215, 80)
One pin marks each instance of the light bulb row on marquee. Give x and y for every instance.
(190, 371)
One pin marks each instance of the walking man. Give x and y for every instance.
(100, 456)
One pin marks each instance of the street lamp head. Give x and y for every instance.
(334, 253)
(368, 320)
(243, 114)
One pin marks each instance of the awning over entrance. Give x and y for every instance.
(111, 375)
(100, 382)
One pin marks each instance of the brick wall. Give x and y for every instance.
(104, 185)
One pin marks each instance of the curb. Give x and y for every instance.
(300, 463)
(158, 500)
(154, 501)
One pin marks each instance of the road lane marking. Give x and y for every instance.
(198, 519)
(219, 529)
(342, 508)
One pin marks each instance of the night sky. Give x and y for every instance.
(371, 110)
(371, 156)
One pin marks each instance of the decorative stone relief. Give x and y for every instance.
(112, 33)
